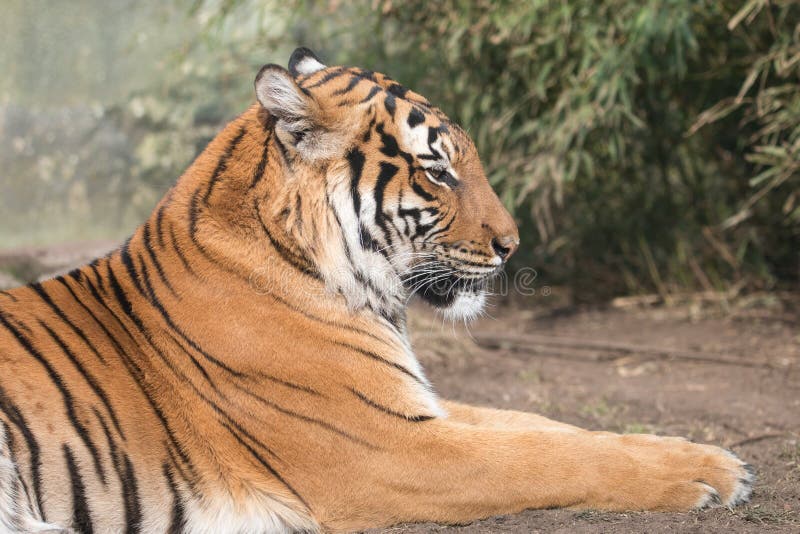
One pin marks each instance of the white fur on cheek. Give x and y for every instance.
(466, 307)
(341, 272)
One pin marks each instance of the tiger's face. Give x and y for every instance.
(404, 183)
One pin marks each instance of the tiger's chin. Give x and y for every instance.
(466, 306)
(455, 299)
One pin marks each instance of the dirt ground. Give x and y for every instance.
(726, 378)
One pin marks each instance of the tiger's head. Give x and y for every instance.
(403, 183)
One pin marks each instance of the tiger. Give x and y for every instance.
(241, 363)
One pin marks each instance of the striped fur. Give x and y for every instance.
(241, 363)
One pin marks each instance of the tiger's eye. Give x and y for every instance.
(446, 178)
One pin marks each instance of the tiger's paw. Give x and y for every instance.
(741, 490)
(673, 474)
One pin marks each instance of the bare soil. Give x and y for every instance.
(731, 379)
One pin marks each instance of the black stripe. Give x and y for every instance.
(19, 488)
(129, 497)
(39, 289)
(133, 508)
(66, 395)
(415, 117)
(179, 251)
(332, 75)
(282, 150)
(367, 240)
(262, 164)
(19, 324)
(117, 346)
(147, 292)
(75, 276)
(194, 361)
(441, 230)
(300, 263)
(298, 210)
(372, 92)
(134, 370)
(176, 463)
(421, 192)
(222, 163)
(154, 259)
(178, 521)
(312, 420)
(390, 147)
(18, 420)
(390, 104)
(290, 385)
(364, 73)
(433, 135)
(91, 380)
(381, 359)
(387, 172)
(265, 464)
(328, 322)
(359, 275)
(389, 411)
(122, 299)
(81, 517)
(160, 224)
(355, 80)
(368, 133)
(127, 261)
(398, 90)
(356, 160)
(194, 212)
(99, 279)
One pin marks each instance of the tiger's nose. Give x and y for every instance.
(505, 246)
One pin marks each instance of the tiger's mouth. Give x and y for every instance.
(442, 292)
(458, 291)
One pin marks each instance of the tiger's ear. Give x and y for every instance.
(304, 62)
(296, 112)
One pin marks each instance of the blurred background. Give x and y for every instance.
(649, 150)
(645, 147)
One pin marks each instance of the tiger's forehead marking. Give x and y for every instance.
(430, 144)
(424, 129)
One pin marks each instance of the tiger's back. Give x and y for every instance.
(73, 415)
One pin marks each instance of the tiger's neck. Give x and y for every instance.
(243, 217)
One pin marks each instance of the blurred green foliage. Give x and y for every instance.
(643, 145)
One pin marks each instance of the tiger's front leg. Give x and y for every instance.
(452, 472)
(502, 419)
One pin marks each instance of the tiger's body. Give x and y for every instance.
(241, 363)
